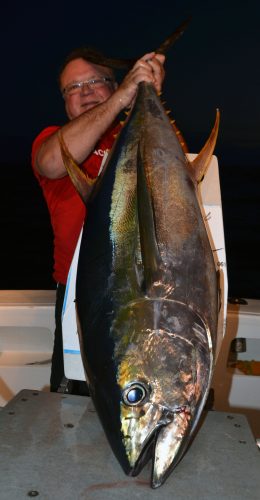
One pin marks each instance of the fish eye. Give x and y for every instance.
(135, 394)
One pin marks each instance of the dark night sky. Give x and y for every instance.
(215, 64)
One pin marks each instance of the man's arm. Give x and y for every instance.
(82, 133)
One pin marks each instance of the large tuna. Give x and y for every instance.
(147, 293)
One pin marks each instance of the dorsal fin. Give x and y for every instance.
(82, 182)
(200, 164)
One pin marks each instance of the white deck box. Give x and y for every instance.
(26, 340)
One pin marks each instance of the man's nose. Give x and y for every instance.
(86, 88)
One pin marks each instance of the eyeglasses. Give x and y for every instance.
(95, 83)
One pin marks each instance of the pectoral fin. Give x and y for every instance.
(149, 248)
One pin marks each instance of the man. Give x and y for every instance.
(93, 101)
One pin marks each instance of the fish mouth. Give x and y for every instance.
(165, 445)
(170, 444)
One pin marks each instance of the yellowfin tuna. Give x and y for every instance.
(147, 293)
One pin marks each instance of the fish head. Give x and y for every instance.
(163, 361)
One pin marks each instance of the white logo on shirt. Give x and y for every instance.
(103, 162)
(101, 152)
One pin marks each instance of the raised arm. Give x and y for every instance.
(84, 129)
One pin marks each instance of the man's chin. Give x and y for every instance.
(89, 105)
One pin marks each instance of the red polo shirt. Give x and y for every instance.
(67, 210)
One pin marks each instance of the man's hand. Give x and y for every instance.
(147, 69)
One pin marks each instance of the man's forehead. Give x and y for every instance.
(81, 68)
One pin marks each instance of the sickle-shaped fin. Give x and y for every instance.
(82, 182)
(200, 164)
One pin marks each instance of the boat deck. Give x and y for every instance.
(62, 453)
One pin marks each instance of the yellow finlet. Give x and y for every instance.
(179, 137)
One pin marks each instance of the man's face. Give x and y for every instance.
(85, 98)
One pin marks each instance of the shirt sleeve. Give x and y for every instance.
(43, 135)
